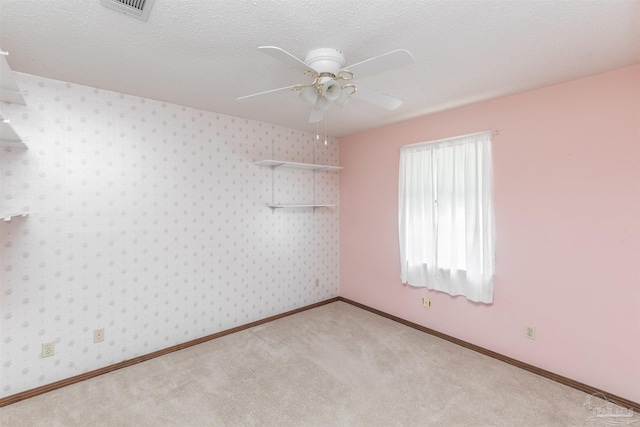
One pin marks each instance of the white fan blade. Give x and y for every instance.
(380, 64)
(315, 116)
(286, 57)
(377, 98)
(282, 89)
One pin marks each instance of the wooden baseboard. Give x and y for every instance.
(92, 374)
(626, 403)
(621, 401)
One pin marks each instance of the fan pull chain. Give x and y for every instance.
(325, 131)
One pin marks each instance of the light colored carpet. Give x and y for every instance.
(335, 365)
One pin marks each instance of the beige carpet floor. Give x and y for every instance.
(335, 365)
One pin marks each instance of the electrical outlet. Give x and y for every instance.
(48, 349)
(530, 332)
(426, 302)
(98, 335)
(317, 282)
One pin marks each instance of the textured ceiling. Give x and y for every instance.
(203, 53)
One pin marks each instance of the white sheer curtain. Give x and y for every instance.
(445, 213)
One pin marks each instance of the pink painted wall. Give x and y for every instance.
(567, 202)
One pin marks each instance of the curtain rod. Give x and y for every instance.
(493, 132)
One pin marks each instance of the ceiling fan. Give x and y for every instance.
(332, 81)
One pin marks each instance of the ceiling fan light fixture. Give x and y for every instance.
(322, 104)
(309, 94)
(331, 90)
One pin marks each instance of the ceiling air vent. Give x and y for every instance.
(139, 9)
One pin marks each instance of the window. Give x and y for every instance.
(445, 216)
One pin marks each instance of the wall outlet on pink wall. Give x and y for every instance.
(530, 332)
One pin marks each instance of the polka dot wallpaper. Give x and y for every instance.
(149, 220)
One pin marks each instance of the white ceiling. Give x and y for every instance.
(203, 53)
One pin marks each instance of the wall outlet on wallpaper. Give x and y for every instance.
(530, 332)
(426, 302)
(317, 282)
(98, 335)
(48, 349)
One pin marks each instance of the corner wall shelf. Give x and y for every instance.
(10, 216)
(9, 137)
(274, 164)
(294, 165)
(292, 206)
(10, 93)
(9, 90)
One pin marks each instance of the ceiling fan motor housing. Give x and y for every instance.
(325, 60)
